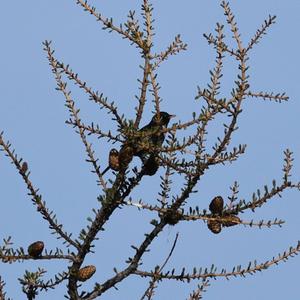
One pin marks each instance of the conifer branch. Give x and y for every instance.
(269, 96)
(261, 32)
(149, 293)
(252, 268)
(74, 113)
(33, 192)
(142, 97)
(95, 129)
(108, 24)
(2, 293)
(94, 96)
(174, 48)
(198, 293)
(158, 145)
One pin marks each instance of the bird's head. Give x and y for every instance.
(164, 118)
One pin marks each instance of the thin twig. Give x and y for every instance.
(150, 290)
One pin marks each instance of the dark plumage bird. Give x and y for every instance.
(146, 148)
(152, 138)
(143, 145)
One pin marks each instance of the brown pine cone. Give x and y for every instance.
(231, 220)
(216, 205)
(36, 249)
(24, 167)
(151, 165)
(172, 217)
(214, 226)
(125, 156)
(86, 273)
(113, 159)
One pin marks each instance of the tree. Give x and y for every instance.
(188, 159)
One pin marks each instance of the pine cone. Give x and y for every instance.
(151, 165)
(125, 156)
(231, 220)
(216, 205)
(113, 159)
(172, 217)
(86, 273)
(36, 249)
(24, 167)
(214, 226)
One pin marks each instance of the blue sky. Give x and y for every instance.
(32, 116)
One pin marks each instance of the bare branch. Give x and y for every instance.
(149, 293)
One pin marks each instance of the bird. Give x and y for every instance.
(151, 135)
(144, 145)
(152, 138)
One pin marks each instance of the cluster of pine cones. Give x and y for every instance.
(216, 208)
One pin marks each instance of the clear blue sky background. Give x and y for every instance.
(32, 114)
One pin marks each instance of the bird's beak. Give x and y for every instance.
(172, 116)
